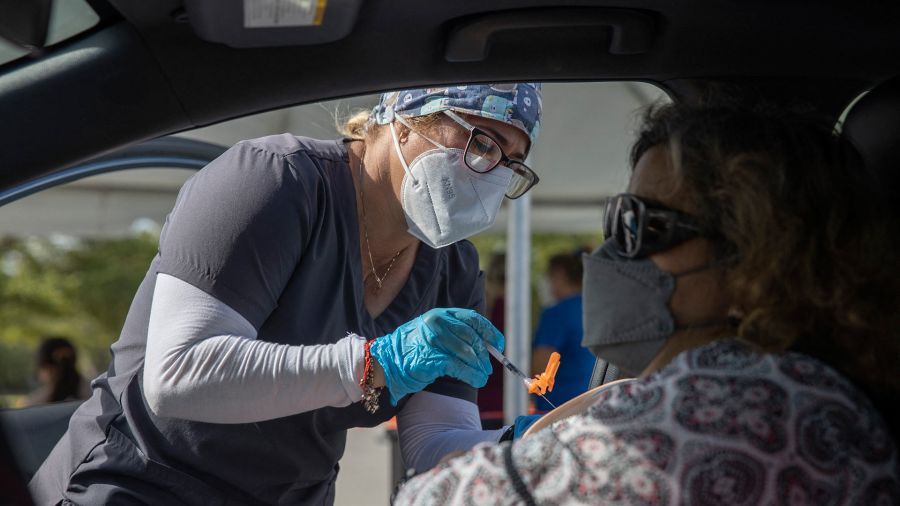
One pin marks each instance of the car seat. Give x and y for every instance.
(32, 432)
(873, 126)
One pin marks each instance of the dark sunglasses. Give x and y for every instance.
(641, 227)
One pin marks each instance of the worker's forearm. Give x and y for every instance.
(432, 425)
(203, 363)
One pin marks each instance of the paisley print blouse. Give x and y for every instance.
(721, 424)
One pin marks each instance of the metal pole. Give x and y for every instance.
(518, 305)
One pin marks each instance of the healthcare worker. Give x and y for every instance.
(248, 350)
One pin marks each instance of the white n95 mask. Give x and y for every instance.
(444, 201)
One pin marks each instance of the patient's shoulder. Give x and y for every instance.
(769, 420)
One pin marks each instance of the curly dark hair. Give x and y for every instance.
(811, 260)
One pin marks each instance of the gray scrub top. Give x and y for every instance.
(270, 228)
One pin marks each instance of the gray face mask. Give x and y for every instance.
(626, 312)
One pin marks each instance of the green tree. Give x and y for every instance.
(80, 290)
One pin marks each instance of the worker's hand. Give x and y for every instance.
(441, 342)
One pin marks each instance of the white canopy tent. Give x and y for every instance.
(581, 157)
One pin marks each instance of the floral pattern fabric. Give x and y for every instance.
(721, 424)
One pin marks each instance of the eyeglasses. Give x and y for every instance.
(484, 154)
(641, 227)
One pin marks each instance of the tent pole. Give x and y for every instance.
(518, 305)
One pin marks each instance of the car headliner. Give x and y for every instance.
(143, 72)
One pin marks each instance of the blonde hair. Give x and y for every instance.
(358, 124)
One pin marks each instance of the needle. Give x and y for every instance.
(513, 369)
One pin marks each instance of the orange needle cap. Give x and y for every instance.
(543, 382)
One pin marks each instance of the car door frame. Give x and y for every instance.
(33, 431)
(162, 153)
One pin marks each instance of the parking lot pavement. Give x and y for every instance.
(365, 469)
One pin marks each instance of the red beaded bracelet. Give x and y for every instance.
(370, 393)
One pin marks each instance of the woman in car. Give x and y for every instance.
(245, 357)
(749, 282)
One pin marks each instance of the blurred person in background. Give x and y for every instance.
(560, 330)
(57, 374)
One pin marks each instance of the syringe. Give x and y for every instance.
(513, 369)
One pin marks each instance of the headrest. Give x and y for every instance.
(873, 126)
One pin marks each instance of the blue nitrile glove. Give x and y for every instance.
(441, 342)
(522, 423)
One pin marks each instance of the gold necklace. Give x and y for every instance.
(379, 280)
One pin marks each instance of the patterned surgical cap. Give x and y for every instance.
(518, 104)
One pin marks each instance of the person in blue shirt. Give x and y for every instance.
(560, 330)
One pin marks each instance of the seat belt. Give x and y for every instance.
(603, 373)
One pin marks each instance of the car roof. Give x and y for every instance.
(143, 72)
